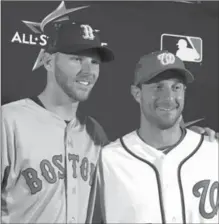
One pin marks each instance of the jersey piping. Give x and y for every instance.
(159, 181)
(167, 149)
(39, 102)
(157, 177)
(180, 179)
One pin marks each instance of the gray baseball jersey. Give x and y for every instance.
(47, 164)
(137, 183)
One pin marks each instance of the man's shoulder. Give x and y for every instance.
(205, 147)
(14, 104)
(211, 146)
(113, 145)
(96, 132)
(205, 139)
(14, 107)
(116, 146)
(20, 110)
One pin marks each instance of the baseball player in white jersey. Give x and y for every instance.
(160, 173)
(49, 149)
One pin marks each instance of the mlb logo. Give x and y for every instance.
(187, 48)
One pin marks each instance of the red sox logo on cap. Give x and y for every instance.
(56, 32)
(166, 58)
(88, 32)
(59, 14)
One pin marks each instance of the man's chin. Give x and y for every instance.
(164, 125)
(81, 98)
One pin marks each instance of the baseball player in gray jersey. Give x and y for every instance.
(49, 150)
(160, 173)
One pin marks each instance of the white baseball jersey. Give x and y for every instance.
(137, 183)
(47, 164)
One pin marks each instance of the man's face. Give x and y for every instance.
(77, 74)
(162, 102)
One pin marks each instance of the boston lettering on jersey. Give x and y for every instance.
(85, 168)
(213, 192)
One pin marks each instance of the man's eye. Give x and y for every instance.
(158, 87)
(76, 59)
(94, 61)
(178, 87)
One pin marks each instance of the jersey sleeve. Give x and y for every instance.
(7, 149)
(7, 155)
(4, 153)
(96, 132)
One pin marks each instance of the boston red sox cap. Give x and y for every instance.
(153, 64)
(72, 38)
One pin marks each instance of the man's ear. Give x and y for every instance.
(48, 61)
(136, 93)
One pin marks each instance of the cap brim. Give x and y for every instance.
(187, 74)
(184, 72)
(106, 54)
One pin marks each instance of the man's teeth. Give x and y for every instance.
(166, 109)
(86, 83)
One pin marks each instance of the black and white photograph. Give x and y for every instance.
(109, 112)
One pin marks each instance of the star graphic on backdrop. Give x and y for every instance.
(190, 123)
(59, 14)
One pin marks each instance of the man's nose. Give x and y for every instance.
(167, 94)
(86, 66)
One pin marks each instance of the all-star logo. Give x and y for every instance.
(30, 39)
(38, 37)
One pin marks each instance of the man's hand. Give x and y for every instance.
(206, 131)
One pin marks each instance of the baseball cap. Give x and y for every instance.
(151, 65)
(72, 38)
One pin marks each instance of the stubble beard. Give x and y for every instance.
(69, 88)
(162, 123)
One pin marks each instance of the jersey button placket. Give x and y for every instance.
(72, 189)
(69, 143)
(68, 170)
(72, 220)
(174, 219)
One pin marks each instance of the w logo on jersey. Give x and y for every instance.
(166, 58)
(209, 192)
